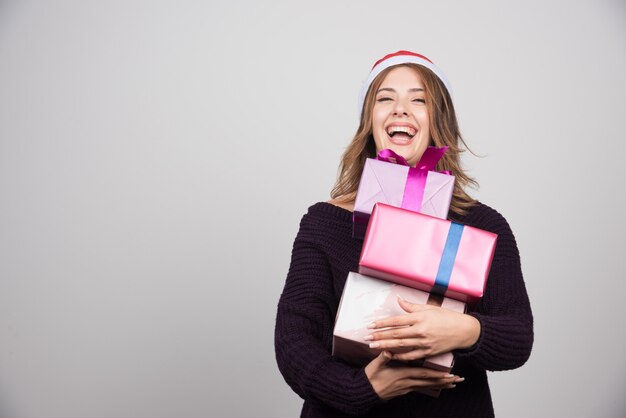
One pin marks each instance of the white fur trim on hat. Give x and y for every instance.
(400, 57)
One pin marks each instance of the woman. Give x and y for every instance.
(406, 106)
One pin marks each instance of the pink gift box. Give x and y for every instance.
(366, 299)
(408, 248)
(386, 182)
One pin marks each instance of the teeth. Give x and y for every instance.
(405, 129)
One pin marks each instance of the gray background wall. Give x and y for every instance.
(156, 157)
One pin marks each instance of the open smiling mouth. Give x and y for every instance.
(401, 135)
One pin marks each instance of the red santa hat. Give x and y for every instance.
(400, 57)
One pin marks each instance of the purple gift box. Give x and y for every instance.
(365, 300)
(417, 189)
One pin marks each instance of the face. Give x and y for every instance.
(400, 116)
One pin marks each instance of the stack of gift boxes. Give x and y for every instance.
(410, 250)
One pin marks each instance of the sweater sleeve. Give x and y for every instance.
(504, 311)
(304, 327)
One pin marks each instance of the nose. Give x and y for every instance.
(400, 108)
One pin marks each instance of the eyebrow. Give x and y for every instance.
(413, 90)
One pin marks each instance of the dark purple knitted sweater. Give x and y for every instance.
(323, 254)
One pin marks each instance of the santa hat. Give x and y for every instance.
(400, 57)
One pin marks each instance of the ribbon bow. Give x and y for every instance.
(428, 162)
(416, 179)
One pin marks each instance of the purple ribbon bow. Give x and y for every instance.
(416, 179)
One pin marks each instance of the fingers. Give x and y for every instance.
(423, 373)
(424, 378)
(427, 377)
(408, 306)
(416, 354)
(389, 382)
(383, 358)
(403, 320)
(393, 321)
(401, 344)
(395, 333)
(445, 383)
(448, 383)
(376, 365)
(402, 339)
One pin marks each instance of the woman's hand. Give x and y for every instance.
(389, 382)
(424, 331)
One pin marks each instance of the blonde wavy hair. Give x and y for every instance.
(444, 130)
